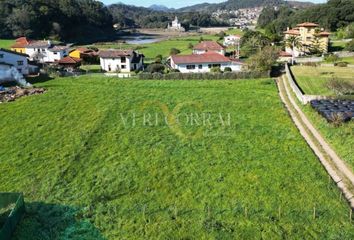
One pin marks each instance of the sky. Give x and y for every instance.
(172, 3)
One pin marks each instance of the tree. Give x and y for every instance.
(174, 51)
(293, 42)
(264, 59)
(190, 46)
(350, 46)
(155, 67)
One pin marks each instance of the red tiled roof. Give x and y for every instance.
(69, 60)
(292, 32)
(209, 45)
(307, 24)
(21, 42)
(115, 53)
(200, 58)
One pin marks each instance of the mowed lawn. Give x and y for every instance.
(313, 80)
(90, 172)
(151, 50)
(5, 43)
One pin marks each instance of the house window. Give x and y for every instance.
(210, 66)
(1, 55)
(123, 67)
(109, 68)
(19, 70)
(123, 59)
(216, 65)
(190, 67)
(55, 53)
(20, 63)
(200, 66)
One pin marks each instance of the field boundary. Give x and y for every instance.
(335, 167)
(303, 98)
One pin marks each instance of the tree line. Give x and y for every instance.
(83, 20)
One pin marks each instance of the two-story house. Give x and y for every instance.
(309, 36)
(46, 51)
(123, 61)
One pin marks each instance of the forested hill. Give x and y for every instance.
(332, 15)
(238, 4)
(59, 19)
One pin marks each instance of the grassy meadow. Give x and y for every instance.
(90, 171)
(5, 43)
(313, 80)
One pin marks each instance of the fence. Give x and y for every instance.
(8, 222)
(303, 98)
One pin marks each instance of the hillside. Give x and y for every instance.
(238, 4)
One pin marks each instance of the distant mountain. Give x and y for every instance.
(161, 8)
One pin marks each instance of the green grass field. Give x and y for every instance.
(4, 43)
(151, 50)
(313, 80)
(89, 172)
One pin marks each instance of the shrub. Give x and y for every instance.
(337, 119)
(341, 64)
(332, 58)
(190, 46)
(263, 60)
(350, 46)
(227, 69)
(215, 70)
(155, 67)
(340, 87)
(174, 51)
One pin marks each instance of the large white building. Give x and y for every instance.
(203, 63)
(46, 52)
(176, 26)
(123, 61)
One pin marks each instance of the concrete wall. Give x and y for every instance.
(303, 98)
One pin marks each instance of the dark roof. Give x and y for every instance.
(58, 48)
(115, 53)
(209, 57)
(39, 44)
(209, 45)
(13, 52)
(4, 63)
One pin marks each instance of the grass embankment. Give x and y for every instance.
(5, 43)
(87, 175)
(313, 80)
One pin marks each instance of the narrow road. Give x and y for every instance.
(336, 167)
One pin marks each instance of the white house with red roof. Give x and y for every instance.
(209, 46)
(123, 61)
(203, 63)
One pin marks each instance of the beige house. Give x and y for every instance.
(310, 36)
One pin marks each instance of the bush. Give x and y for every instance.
(349, 46)
(340, 87)
(155, 68)
(227, 69)
(174, 51)
(215, 70)
(341, 64)
(203, 76)
(332, 58)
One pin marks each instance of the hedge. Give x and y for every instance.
(203, 76)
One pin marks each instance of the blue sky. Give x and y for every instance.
(171, 3)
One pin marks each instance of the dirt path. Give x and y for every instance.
(336, 168)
